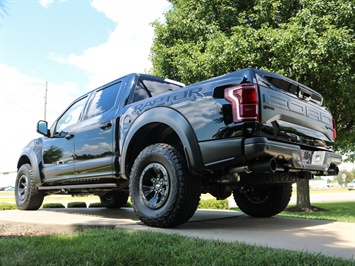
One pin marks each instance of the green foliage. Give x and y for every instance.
(349, 177)
(311, 41)
(127, 247)
(95, 205)
(52, 205)
(76, 204)
(7, 206)
(3, 9)
(214, 204)
(128, 204)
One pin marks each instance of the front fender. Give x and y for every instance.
(32, 154)
(176, 122)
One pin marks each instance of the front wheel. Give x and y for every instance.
(263, 200)
(162, 191)
(27, 195)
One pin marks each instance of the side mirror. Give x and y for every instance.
(42, 128)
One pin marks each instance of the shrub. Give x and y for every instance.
(77, 204)
(214, 204)
(128, 204)
(95, 205)
(52, 205)
(7, 206)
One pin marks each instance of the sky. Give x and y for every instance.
(75, 46)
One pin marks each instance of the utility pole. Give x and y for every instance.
(45, 101)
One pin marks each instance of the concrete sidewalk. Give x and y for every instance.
(328, 238)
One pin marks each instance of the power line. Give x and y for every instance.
(45, 101)
(6, 173)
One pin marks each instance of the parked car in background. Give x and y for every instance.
(351, 185)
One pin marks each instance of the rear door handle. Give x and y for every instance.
(106, 125)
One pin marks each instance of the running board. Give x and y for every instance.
(108, 185)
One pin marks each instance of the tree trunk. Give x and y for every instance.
(303, 196)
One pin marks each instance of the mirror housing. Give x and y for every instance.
(42, 128)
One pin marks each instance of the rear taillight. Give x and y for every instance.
(245, 102)
(334, 129)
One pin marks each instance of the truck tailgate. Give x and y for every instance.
(294, 112)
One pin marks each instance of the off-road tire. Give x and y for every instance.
(114, 199)
(27, 195)
(163, 193)
(263, 200)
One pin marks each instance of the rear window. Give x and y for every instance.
(103, 101)
(157, 87)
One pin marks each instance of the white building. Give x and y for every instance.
(7, 179)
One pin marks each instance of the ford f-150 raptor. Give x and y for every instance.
(248, 133)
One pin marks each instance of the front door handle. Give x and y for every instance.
(105, 125)
(69, 136)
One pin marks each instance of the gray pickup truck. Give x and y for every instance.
(248, 133)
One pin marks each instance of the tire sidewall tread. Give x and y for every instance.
(118, 200)
(184, 189)
(277, 201)
(33, 198)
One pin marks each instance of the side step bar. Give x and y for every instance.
(108, 185)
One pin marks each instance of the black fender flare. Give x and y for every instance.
(32, 157)
(179, 124)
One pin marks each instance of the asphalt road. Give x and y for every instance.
(335, 239)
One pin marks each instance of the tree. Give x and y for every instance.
(311, 41)
(349, 177)
(2, 7)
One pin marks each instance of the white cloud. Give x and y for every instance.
(128, 47)
(126, 50)
(45, 3)
(22, 105)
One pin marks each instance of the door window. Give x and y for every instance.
(103, 101)
(71, 116)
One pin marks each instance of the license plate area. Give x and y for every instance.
(307, 157)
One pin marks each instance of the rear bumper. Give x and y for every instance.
(319, 162)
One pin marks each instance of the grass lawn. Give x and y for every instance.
(128, 247)
(342, 211)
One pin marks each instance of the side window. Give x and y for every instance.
(71, 116)
(140, 93)
(103, 101)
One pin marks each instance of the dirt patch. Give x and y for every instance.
(11, 229)
(312, 209)
(29, 229)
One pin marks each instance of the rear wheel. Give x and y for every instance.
(27, 195)
(263, 200)
(114, 199)
(162, 191)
